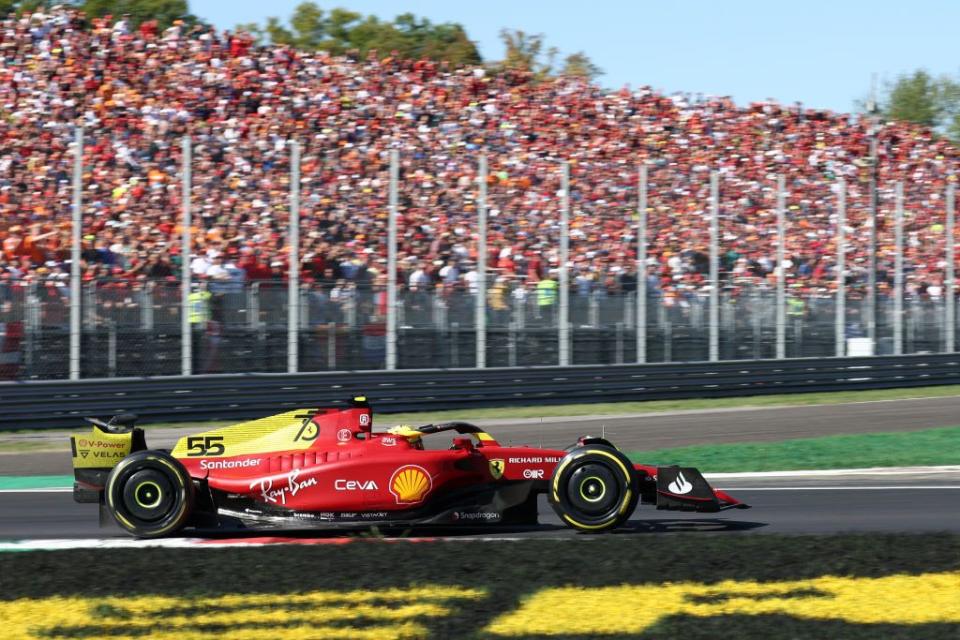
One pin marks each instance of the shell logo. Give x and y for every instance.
(410, 483)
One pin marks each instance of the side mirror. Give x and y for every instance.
(124, 419)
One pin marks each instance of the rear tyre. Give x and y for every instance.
(150, 494)
(594, 489)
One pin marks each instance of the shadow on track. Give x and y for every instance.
(687, 525)
(545, 530)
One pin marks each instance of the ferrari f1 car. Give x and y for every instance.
(327, 468)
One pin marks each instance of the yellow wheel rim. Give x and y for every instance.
(148, 494)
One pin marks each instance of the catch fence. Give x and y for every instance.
(134, 328)
(456, 264)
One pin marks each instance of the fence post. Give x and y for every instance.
(840, 319)
(112, 348)
(186, 336)
(480, 306)
(781, 275)
(714, 323)
(757, 318)
(948, 289)
(454, 335)
(872, 248)
(293, 263)
(146, 306)
(898, 274)
(642, 267)
(75, 235)
(392, 264)
(564, 320)
(619, 343)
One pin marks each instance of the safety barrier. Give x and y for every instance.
(48, 403)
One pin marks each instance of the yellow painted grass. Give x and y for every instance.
(900, 599)
(401, 613)
(390, 613)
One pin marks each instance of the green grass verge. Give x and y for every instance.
(35, 482)
(660, 406)
(508, 574)
(915, 448)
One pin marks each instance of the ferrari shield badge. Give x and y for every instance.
(496, 468)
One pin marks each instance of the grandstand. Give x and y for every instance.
(137, 91)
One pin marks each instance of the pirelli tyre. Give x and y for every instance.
(150, 494)
(594, 488)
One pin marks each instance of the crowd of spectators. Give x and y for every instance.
(137, 91)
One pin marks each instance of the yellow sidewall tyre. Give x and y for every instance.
(594, 489)
(150, 494)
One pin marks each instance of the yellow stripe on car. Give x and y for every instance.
(98, 449)
(274, 433)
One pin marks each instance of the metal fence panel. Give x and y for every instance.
(50, 404)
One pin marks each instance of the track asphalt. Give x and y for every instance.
(823, 504)
(916, 503)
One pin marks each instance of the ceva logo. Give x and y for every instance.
(355, 485)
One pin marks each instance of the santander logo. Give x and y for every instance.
(680, 486)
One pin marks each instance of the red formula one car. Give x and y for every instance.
(326, 468)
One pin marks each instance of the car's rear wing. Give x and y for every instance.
(95, 453)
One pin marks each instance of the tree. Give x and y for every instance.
(255, 30)
(278, 33)
(23, 6)
(163, 11)
(950, 105)
(525, 51)
(578, 65)
(341, 30)
(915, 98)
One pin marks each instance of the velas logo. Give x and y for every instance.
(409, 484)
(496, 468)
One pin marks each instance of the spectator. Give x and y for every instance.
(137, 91)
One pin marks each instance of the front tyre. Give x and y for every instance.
(150, 494)
(594, 488)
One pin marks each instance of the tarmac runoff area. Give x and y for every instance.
(631, 433)
(813, 502)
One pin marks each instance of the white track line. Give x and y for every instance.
(804, 473)
(816, 473)
(47, 490)
(208, 543)
(842, 488)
